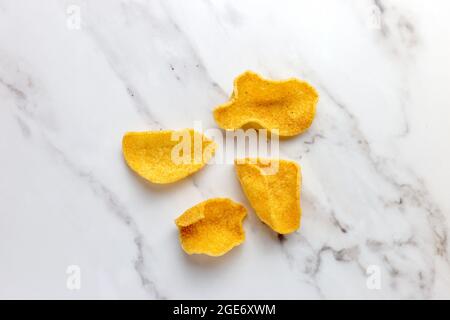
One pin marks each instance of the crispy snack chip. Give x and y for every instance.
(274, 194)
(166, 156)
(288, 106)
(212, 227)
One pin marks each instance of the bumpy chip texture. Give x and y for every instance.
(288, 106)
(212, 227)
(151, 154)
(273, 189)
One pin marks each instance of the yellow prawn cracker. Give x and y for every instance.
(212, 227)
(273, 189)
(166, 156)
(285, 107)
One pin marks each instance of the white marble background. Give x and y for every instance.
(375, 162)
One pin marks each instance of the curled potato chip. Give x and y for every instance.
(166, 156)
(273, 189)
(288, 106)
(212, 227)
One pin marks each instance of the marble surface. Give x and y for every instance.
(75, 75)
